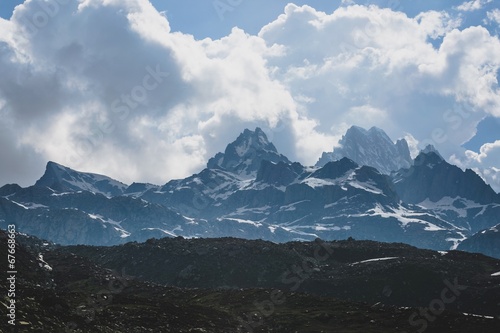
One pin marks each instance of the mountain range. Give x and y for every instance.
(368, 188)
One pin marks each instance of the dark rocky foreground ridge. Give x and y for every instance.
(235, 285)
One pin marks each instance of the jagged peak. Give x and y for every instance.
(8, 189)
(430, 158)
(54, 166)
(431, 149)
(375, 129)
(51, 164)
(244, 155)
(335, 169)
(403, 144)
(256, 139)
(370, 132)
(356, 129)
(371, 147)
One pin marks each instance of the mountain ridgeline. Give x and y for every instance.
(368, 188)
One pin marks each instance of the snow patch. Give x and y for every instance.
(166, 232)
(43, 263)
(479, 316)
(373, 260)
(329, 227)
(243, 149)
(29, 205)
(63, 193)
(447, 204)
(316, 182)
(366, 187)
(116, 225)
(403, 215)
(291, 207)
(254, 223)
(456, 241)
(343, 181)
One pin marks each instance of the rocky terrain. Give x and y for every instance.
(363, 271)
(232, 285)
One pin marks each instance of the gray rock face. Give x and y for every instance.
(460, 197)
(280, 174)
(433, 178)
(372, 148)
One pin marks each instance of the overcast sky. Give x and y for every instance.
(149, 91)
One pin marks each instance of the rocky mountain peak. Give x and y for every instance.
(64, 179)
(244, 155)
(432, 178)
(333, 170)
(250, 141)
(371, 147)
(429, 156)
(431, 149)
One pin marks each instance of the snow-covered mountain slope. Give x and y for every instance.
(244, 155)
(372, 148)
(251, 191)
(64, 179)
(287, 201)
(83, 217)
(451, 193)
(196, 195)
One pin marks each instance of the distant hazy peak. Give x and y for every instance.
(371, 147)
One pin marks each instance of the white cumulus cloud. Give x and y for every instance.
(494, 15)
(106, 86)
(486, 163)
(473, 5)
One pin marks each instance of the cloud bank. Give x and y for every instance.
(105, 86)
